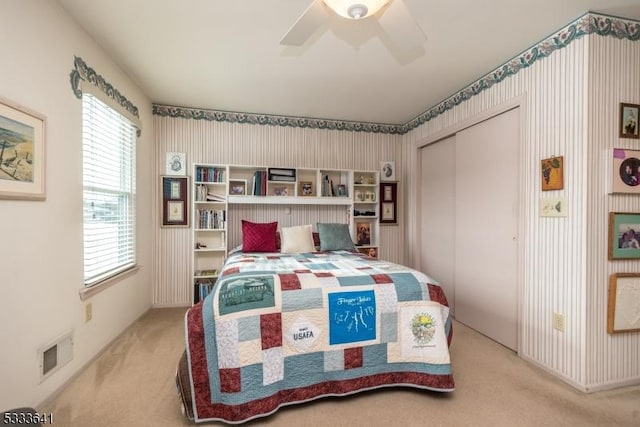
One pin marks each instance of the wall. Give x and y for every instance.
(614, 68)
(570, 102)
(251, 144)
(41, 253)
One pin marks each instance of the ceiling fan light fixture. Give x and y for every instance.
(355, 9)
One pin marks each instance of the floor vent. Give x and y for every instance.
(55, 355)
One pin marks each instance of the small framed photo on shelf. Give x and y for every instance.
(237, 187)
(281, 191)
(22, 158)
(371, 251)
(389, 203)
(306, 188)
(363, 233)
(625, 171)
(342, 190)
(175, 201)
(624, 235)
(629, 120)
(552, 173)
(624, 298)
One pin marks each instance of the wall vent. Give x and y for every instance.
(55, 355)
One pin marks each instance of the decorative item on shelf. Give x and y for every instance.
(306, 188)
(387, 171)
(624, 299)
(628, 127)
(625, 171)
(389, 203)
(175, 201)
(342, 190)
(175, 163)
(370, 196)
(281, 191)
(359, 196)
(363, 230)
(237, 187)
(624, 235)
(360, 180)
(552, 173)
(22, 173)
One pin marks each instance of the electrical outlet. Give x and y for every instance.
(88, 312)
(558, 322)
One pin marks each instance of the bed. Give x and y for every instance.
(284, 327)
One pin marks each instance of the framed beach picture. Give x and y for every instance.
(628, 126)
(625, 171)
(623, 310)
(624, 235)
(387, 171)
(175, 201)
(22, 153)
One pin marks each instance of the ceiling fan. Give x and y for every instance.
(395, 20)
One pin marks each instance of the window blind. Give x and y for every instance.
(109, 197)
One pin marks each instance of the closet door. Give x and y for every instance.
(486, 224)
(437, 207)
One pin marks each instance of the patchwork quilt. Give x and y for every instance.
(278, 329)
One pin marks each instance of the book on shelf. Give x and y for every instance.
(216, 197)
(212, 219)
(282, 172)
(209, 174)
(282, 178)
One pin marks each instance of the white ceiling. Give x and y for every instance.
(225, 54)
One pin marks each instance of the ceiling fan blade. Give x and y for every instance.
(307, 23)
(400, 26)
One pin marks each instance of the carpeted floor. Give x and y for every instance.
(132, 384)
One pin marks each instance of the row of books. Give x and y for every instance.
(259, 186)
(204, 194)
(212, 219)
(209, 174)
(203, 288)
(282, 175)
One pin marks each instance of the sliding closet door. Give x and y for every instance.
(486, 222)
(437, 207)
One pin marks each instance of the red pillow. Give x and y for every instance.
(257, 237)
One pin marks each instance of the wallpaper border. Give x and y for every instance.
(589, 23)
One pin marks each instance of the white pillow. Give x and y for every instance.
(297, 239)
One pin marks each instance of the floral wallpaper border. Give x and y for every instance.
(589, 23)
(83, 71)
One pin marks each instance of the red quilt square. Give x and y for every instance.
(381, 278)
(232, 270)
(289, 282)
(353, 358)
(271, 330)
(230, 380)
(437, 294)
(302, 271)
(324, 274)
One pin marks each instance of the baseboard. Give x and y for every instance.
(586, 388)
(170, 305)
(75, 375)
(613, 384)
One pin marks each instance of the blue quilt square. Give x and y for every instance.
(407, 286)
(352, 316)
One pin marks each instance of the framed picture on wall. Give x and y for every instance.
(552, 173)
(387, 171)
(625, 171)
(629, 121)
(624, 298)
(624, 235)
(22, 159)
(175, 201)
(388, 203)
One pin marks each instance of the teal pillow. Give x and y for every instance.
(335, 237)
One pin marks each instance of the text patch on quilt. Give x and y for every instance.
(352, 316)
(302, 334)
(246, 293)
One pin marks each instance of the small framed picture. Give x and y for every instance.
(22, 153)
(624, 298)
(342, 190)
(175, 201)
(306, 188)
(363, 233)
(387, 171)
(237, 187)
(552, 173)
(281, 191)
(624, 235)
(175, 163)
(389, 203)
(629, 120)
(625, 171)
(371, 252)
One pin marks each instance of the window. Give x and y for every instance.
(109, 196)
